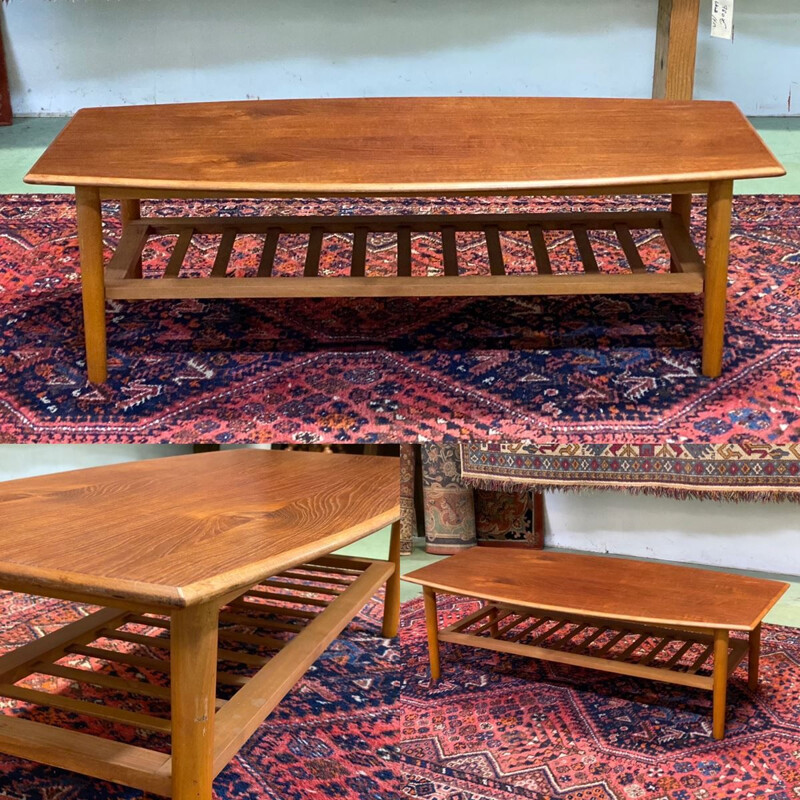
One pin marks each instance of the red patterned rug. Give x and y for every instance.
(328, 738)
(600, 369)
(499, 727)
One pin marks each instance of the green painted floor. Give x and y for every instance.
(22, 143)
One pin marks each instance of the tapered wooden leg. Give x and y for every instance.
(131, 210)
(432, 623)
(391, 603)
(193, 689)
(720, 198)
(720, 679)
(90, 242)
(753, 657)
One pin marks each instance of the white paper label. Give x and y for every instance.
(722, 19)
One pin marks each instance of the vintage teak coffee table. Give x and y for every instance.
(410, 146)
(638, 618)
(216, 580)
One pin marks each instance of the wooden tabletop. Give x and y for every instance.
(405, 145)
(176, 531)
(611, 588)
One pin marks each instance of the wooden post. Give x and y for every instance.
(432, 624)
(5, 91)
(493, 629)
(391, 602)
(90, 241)
(718, 235)
(753, 657)
(129, 211)
(676, 49)
(193, 658)
(720, 679)
(682, 206)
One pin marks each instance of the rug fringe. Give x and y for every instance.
(726, 494)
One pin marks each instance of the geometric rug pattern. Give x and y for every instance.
(607, 370)
(502, 727)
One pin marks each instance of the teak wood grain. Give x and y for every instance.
(611, 588)
(400, 145)
(177, 531)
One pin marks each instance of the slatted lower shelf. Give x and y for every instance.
(664, 654)
(282, 624)
(630, 274)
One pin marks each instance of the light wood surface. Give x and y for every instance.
(181, 530)
(720, 680)
(611, 588)
(390, 145)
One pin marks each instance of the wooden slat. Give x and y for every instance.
(313, 252)
(287, 598)
(90, 755)
(513, 624)
(540, 254)
(701, 659)
(449, 251)
(684, 256)
(269, 642)
(632, 648)
(18, 662)
(491, 623)
(106, 681)
(278, 583)
(583, 647)
(678, 655)
(255, 622)
(267, 261)
(178, 253)
(609, 645)
(220, 268)
(549, 632)
(577, 659)
(162, 665)
(496, 264)
(107, 713)
(629, 248)
(260, 608)
(465, 622)
(326, 567)
(236, 722)
(564, 641)
(404, 251)
(528, 629)
(441, 286)
(414, 223)
(359, 261)
(585, 249)
(307, 576)
(125, 260)
(657, 648)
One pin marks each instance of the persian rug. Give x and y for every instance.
(747, 471)
(328, 738)
(615, 369)
(500, 727)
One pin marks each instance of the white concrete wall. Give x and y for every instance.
(64, 55)
(758, 536)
